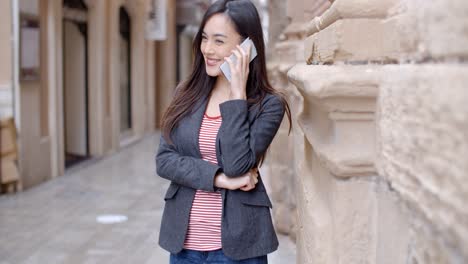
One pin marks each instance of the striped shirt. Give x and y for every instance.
(204, 229)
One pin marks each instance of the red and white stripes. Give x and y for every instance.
(204, 230)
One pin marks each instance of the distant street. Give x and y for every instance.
(55, 222)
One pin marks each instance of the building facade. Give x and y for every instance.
(81, 78)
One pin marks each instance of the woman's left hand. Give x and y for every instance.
(245, 182)
(239, 73)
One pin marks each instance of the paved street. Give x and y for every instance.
(55, 222)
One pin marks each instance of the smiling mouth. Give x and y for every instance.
(211, 62)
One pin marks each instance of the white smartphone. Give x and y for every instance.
(253, 53)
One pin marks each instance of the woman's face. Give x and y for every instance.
(219, 38)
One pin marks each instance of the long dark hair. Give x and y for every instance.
(199, 84)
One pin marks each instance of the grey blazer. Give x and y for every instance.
(245, 134)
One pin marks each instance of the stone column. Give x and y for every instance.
(166, 64)
(97, 23)
(113, 75)
(137, 11)
(55, 86)
(150, 87)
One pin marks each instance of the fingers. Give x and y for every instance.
(239, 68)
(245, 52)
(246, 182)
(249, 48)
(252, 180)
(248, 187)
(254, 175)
(244, 60)
(240, 58)
(246, 57)
(231, 64)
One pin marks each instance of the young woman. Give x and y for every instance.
(214, 136)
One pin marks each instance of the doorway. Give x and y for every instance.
(125, 74)
(75, 85)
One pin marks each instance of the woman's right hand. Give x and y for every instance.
(245, 182)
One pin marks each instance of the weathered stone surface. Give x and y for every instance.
(338, 113)
(413, 30)
(422, 152)
(389, 187)
(280, 175)
(288, 53)
(316, 8)
(441, 27)
(277, 22)
(358, 220)
(422, 145)
(281, 179)
(358, 40)
(342, 9)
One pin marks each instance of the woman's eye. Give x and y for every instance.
(204, 37)
(219, 41)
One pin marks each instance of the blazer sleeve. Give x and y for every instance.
(243, 143)
(184, 170)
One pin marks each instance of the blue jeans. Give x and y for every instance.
(187, 256)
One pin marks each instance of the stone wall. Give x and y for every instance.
(380, 144)
(286, 49)
(422, 153)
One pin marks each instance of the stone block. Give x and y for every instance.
(336, 115)
(316, 8)
(414, 30)
(440, 25)
(354, 40)
(358, 220)
(422, 150)
(344, 9)
(355, 221)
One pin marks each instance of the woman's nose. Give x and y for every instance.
(208, 48)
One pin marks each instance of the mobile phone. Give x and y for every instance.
(253, 53)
